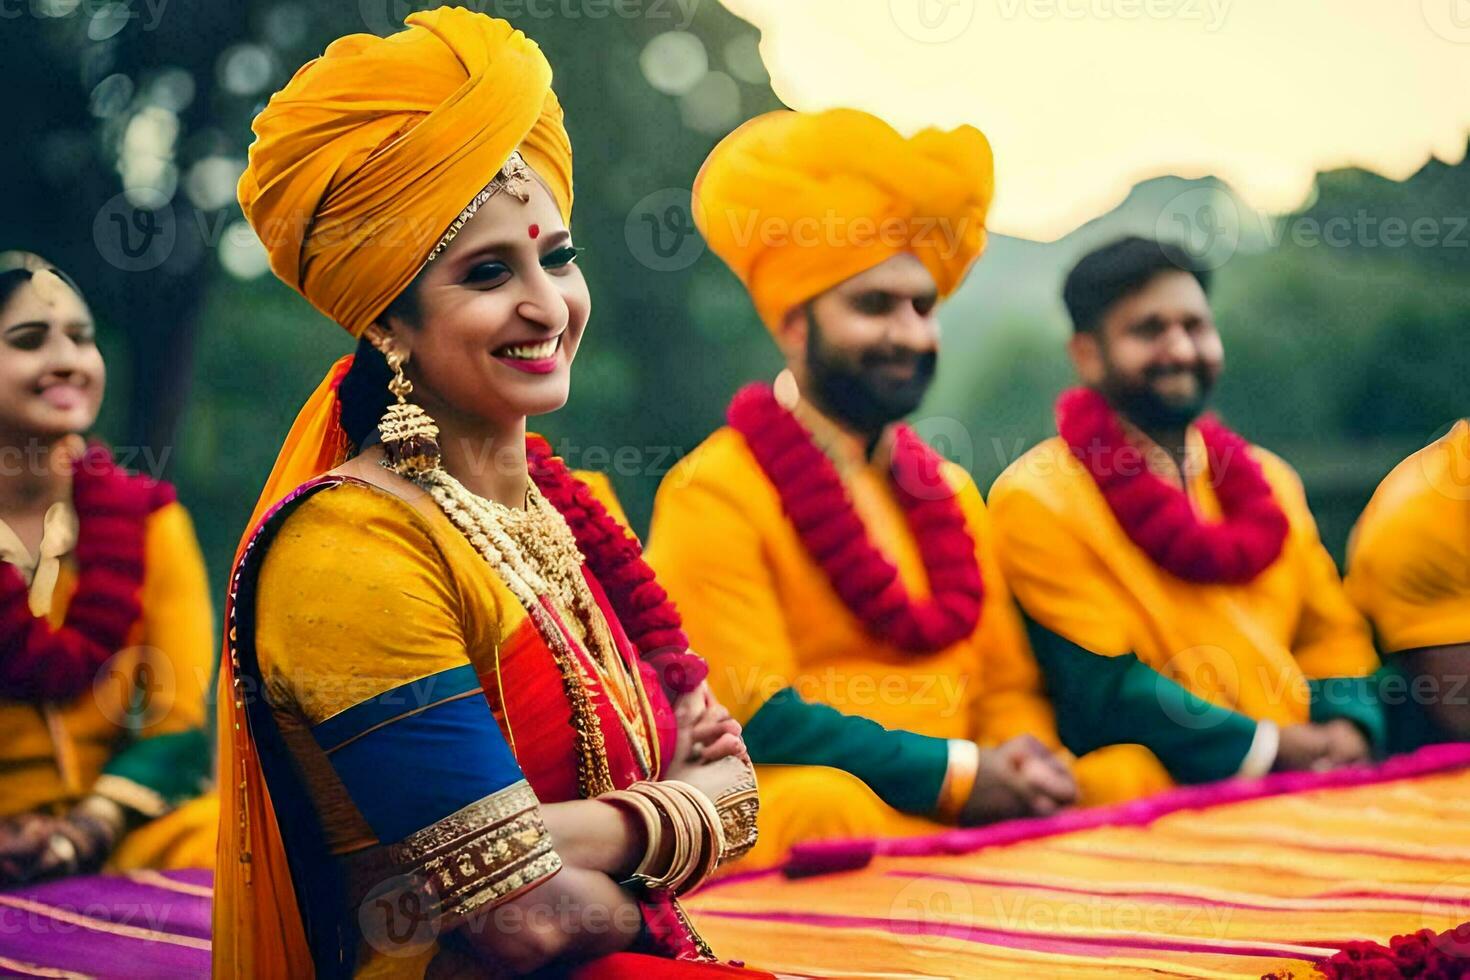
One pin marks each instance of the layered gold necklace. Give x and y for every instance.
(536, 554)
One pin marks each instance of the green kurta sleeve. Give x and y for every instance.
(1105, 700)
(905, 769)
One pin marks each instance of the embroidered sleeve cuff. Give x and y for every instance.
(1261, 756)
(482, 855)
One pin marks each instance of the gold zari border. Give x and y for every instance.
(483, 854)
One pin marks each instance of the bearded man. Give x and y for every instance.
(1176, 591)
(839, 576)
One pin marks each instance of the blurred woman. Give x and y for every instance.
(464, 724)
(105, 623)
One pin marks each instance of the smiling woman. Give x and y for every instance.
(460, 717)
(104, 617)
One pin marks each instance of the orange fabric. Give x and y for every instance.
(359, 166)
(371, 151)
(797, 202)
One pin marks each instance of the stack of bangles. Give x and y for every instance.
(671, 809)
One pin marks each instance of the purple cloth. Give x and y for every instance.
(153, 924)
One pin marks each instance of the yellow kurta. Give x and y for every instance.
(1250, 647)
(1409, 561)
(52, 755)
(766, 617)
(1409, 572)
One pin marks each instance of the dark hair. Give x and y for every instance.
(1107, 274)
(363, 394)
(17, 268)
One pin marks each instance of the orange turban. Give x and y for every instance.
(797, 202)
(370, 152)
(359, 166)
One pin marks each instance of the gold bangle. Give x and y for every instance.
(652, 822)
(688, 820)
(713, 837)
(677, 870)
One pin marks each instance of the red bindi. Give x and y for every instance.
(535, 231)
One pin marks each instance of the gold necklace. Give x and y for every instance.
(536, 554)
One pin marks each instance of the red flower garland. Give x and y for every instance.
(813, 497)
(1158, 517)
(42, 663)
(1445, 956)
(616, 559)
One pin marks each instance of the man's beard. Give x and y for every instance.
(863, 395)
(1147, 409)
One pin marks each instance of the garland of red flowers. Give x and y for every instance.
(813, 497)
(615, 558)
(39, 662)
(1158, 517)
(1424, 954)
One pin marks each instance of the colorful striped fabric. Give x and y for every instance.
(147, 924)
(1229, 880)
(154, 925)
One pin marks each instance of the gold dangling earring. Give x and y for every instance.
(409, 436)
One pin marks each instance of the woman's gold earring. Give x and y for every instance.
(409, 436)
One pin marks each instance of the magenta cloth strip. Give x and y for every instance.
(820, 857)
(1174, 898)
(1012, 939)
(48, 935)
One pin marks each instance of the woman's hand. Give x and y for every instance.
(707, 731)
(716, 779)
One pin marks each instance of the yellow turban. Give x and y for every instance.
(797, 202)
(371, 151)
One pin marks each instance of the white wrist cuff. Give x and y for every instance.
(1261, 756)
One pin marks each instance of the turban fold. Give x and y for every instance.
(797, 202)
(371, 151)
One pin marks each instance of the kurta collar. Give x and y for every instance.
(41, 571)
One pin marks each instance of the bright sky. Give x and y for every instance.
(1083, 98)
